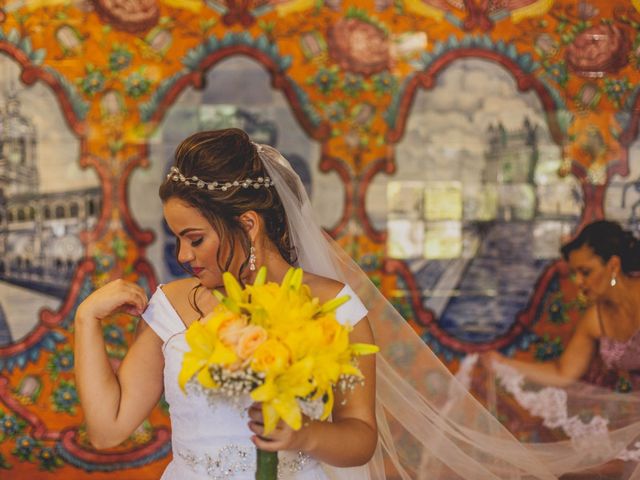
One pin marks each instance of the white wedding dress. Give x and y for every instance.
(210, 436)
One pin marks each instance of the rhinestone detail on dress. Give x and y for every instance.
(233, 459)
(230, 459)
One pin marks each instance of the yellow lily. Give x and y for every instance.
(233, 288)
(364, 348)
(191, 365)
(332, 305)
(279, 395)
(222, 355)
(202, 344)
(296, 279)
(261, 277)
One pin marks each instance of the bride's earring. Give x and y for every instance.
(252, 259)
(614, 280)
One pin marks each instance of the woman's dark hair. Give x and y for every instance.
(227, 156)
(606, 239)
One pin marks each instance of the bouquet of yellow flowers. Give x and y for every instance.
(279, 345)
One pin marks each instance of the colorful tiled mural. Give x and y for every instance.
(449, 145)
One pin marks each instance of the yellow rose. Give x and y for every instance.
(271, 356)
(231, 329)
(251, 338)
(330, 328)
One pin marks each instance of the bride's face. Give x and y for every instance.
(198, 242)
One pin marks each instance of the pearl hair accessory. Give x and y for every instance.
(177, 176)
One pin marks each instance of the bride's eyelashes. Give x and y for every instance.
(195, 243)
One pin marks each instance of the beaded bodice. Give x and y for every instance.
(210, 436)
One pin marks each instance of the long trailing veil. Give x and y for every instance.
(430, 426)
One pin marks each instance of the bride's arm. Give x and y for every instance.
(115, 403)
(351, 438)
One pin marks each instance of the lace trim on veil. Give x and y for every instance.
(550, 404)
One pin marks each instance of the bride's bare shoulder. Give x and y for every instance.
(322, 287)
(180, 294)
(179, 288)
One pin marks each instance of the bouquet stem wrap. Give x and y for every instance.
(267, 465)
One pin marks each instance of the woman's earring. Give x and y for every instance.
(614, 280)
(252, 259)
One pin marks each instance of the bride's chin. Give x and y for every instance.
(207, 282)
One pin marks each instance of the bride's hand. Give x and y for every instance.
(283, 437)
(116, 296)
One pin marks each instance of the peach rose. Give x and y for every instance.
(252, 337)
(232, 329)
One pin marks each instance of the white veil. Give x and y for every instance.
(430, 426)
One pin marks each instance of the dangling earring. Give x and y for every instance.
(614, 280)
(252, 258)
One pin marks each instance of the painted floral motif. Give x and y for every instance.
(616, 89)
(326, 79)
(384, 83)
(10, 425)
(557, 310)
(28, 389)
(69, 40)
(588, 96)
(137, 84)
(546, 45)
(370, 262)
(557, 71)
(24, 448)
(104, 262)
(48, 459)
(129, 16)
(353, 84)
(93, 82)
(119, 58)
(61, 361)
(334, 111)
(547, 349)
(65, 398)
(598, 50)
(359, 46)
(113, 334)
(143, 434)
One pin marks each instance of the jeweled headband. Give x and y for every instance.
(177, 176)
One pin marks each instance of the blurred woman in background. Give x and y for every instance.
(605, 261)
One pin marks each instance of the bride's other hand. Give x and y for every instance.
(283, 437)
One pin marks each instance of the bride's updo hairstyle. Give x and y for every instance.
(220, 173)
(608, 239)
